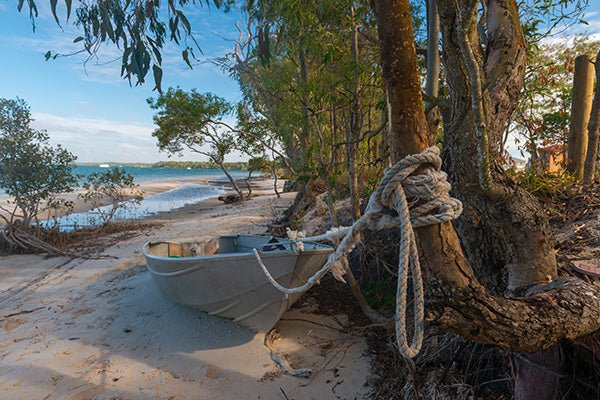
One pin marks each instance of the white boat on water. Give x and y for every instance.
(104, 165)
(223, 278)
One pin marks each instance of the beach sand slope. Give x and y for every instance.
(100, 329)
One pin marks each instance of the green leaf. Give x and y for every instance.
(78, 39)
(184, 20)
(68, 3)
(157, 77)
(53, 4)
(48, 55)
(186, 57)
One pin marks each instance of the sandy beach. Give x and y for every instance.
(100, 329)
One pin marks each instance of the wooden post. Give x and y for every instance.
(591, 159)
(583, 87)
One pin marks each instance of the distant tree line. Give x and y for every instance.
(238, 165)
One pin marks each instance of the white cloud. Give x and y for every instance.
(98, 140)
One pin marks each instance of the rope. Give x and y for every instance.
(430, 204)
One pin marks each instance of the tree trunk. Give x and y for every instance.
(505, 232)
(536, 376)
(583, 88)
(456, 301)
(324, 174)
(355, 127)
(399, 66)
(433, 68)
(304, 138)
(591, 159)
(275, 178)
(231, 180)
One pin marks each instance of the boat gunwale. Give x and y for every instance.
(234, 256)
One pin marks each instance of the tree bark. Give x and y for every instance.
(432, 83)
(398, 53)
(324, 174)
(304, 138)
(536, 376)
(505, 60)
(583, 87)
(231, 180)
(355, 127)
(456, 300)
(505, 232)
(591, 159)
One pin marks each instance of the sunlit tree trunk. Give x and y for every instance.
(591, 159)
(583, 94)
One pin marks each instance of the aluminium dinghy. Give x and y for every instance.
(223, 277)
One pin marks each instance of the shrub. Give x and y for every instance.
(110, 191)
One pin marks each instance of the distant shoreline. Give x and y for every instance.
(146, 176)
(202, 165)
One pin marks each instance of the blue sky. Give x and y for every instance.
(91, 110)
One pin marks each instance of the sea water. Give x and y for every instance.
(145, 175)
(172, 199)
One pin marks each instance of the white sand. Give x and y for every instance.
(100, 329)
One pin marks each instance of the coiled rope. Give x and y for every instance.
(430, 204)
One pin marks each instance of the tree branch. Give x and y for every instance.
(465, 22)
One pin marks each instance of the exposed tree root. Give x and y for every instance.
(280, 360)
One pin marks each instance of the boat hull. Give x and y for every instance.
(224, 279)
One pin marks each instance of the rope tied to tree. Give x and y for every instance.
(430, 203)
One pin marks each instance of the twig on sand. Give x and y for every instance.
(313, 322)
(341, 350)
(283, 393)
(22, 312)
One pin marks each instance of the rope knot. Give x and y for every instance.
(295, 237)
(430, 203)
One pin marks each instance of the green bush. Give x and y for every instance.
(109, 192)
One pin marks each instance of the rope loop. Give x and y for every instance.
(419, 200)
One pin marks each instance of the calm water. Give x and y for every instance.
(143, 175)
(170, 200)
(166, 201)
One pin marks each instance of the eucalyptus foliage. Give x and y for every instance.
(194, 121)
(139, 29)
